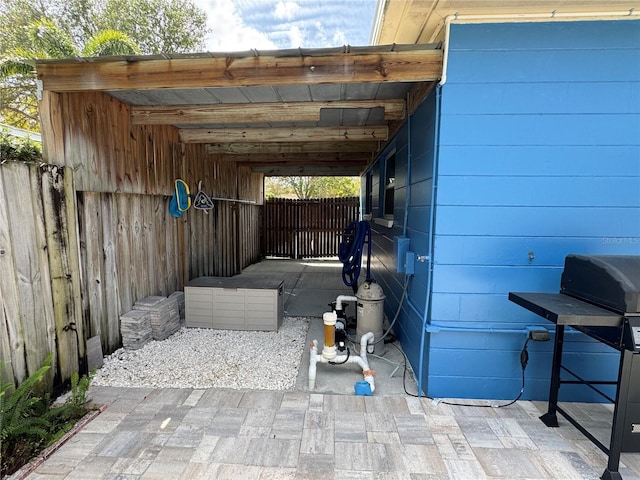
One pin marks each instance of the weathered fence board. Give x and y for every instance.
(78, 249)
(115, 297)
(12, 346)
(307, 228)
(40, 289)
(59, 208)
(135, 250)
(95, 255)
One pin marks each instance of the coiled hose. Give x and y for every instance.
(350, 252)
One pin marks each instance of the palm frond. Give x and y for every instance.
(47, 37)
(15, 66)
(110, 42)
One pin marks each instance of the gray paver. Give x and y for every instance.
(273, 452)
(288, 424)
(262, 435)
(372, 457)
(350, 427)
(507, 463)
(318, 441)
(123, 444)
(316, 466)
(231, 450)
(227, 422)
(229, 434)
(413, 429)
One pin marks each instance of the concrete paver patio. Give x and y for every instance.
(229, 434)
(329, 433)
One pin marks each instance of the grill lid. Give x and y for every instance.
(612, 281)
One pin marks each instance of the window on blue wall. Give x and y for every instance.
(389, 184)
(368, 193)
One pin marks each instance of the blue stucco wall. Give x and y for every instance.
(536, 140)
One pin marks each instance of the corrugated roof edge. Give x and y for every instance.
(292, 52)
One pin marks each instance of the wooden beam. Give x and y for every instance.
(291, 148)
(319, 171)
(303, 159)
(255, 112)
(137, 73)
(291, 134)
(417, 94)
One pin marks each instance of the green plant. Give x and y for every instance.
(23, 411)
(76, 404)
(20, 150)
(29, 422)
(24, 419)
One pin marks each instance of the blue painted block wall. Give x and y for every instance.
(416, 139)
(538, 156)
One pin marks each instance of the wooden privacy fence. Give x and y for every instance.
(72, 262)
(307, 228)
(40, 284)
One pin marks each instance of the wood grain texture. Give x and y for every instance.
(409, 66)
(283, 134)
(255, 112)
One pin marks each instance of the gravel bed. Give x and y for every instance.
(205, 358)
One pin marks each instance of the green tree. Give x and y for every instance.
(312, 187)
(46, 40)
(36, 29)
(158, 26)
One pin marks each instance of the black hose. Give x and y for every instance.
(350, 252)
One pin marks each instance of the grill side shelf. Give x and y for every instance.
(565, 310)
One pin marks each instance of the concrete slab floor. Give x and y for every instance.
(310, 286)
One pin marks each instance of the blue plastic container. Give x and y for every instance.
(363, 388)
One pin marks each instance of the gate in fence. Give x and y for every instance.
(307, 228)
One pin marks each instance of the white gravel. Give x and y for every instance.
(205, 358)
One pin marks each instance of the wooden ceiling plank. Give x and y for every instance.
(417, 95)
(361, 158)
(140, 74)
(329, 171)
(282, 134)
(290, 148)
(394, 109)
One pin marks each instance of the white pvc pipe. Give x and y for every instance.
(344, 298)
(514, 18)
(361, 360)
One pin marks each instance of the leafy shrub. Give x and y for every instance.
(29, 422)
(18, 150)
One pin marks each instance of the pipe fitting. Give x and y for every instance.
(344, 298)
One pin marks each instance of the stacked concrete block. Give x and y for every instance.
(179, 296)
(163, 313)
(135, 329)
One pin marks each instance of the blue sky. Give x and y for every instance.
(276, 24)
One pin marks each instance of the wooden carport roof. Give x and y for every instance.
(285, 112)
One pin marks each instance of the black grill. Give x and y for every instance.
(610, 281)
(599, 296)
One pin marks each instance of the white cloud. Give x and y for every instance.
(228, 30)
(339, 38)
(286, 10)
(272, 24)
(296, 37)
